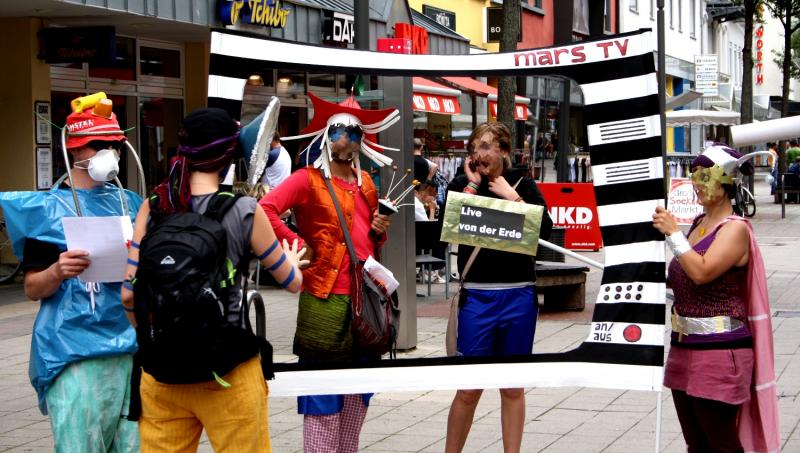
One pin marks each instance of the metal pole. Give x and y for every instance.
(659, 403)
(563, 133)
(361, 19)
(662, 102)
(662, 86)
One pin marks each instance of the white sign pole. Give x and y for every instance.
(659, 395)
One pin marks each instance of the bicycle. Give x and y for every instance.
(9, 265)
(745, 202)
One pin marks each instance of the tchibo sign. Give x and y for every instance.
(338, 28)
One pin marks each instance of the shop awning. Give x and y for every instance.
(490, 92)
(433, 97)
(683, 118)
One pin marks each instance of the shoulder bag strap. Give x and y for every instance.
(345, 231)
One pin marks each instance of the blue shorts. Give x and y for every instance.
(497, 321)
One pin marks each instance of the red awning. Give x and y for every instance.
(433, 97)
(490, 92)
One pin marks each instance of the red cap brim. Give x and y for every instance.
(323, 110)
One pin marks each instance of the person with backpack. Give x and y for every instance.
(82, 346)
(332, 423)
(185, 294)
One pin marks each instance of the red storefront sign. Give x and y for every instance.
(520, 111)
(417, 35)
(394, 45)
(436, 104)
(573, 207)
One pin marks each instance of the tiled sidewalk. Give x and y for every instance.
(557, 419)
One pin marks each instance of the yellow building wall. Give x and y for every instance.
(469, 18)
(24, 80)
(196, 60)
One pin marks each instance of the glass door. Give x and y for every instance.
(159, 122)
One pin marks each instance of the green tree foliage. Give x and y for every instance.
(794, 68)
(788, 13)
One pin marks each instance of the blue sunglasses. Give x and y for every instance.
(353, 133)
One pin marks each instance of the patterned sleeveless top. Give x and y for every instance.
(725, 296)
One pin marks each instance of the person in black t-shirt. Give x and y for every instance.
(424, 169)
(498, 306)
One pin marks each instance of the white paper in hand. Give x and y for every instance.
(104, 239)
(382, 274)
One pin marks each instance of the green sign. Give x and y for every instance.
(492, 223)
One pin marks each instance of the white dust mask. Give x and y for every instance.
(103, 166)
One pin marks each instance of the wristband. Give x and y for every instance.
(470, 190)
(518, 199)
(473, 186)
(678, 244)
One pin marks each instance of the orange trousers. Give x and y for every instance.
(235, 418)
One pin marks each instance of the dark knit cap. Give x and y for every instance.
(204, 126)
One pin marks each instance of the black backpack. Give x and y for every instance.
(189, 327)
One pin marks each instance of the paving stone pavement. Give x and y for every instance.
(557, 419)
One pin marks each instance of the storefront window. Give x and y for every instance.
(67, 65)
(291, 83)
(321, 82)
(346, 82)
(159, 121)
(154, 61)
(124, 65)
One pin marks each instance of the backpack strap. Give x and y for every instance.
(219, 205)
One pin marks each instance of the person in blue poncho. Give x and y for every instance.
(82, 344)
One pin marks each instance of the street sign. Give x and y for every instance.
(706, 75)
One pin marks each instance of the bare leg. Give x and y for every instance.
(459, 421)
(512, 418)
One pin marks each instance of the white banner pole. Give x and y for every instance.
(570, 253)
(659, 395)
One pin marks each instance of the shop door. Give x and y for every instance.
(61, 109)
(159, 122)
(289, 124)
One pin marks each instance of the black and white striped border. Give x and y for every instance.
(624, 348)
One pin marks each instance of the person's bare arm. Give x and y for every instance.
(45, 282)
(432, 168)
(139, 230)
(283, 261)
(731, 247)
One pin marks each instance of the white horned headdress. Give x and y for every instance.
(350, 116)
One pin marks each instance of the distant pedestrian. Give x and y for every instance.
(279, 163)
(424, 169)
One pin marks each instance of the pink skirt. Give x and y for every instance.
(717, 374)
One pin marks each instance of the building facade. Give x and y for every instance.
(151, 58)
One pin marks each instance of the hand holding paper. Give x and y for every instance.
(104, 240)
(72, 263)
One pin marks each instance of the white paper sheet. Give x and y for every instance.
(104, 239)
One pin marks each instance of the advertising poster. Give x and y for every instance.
(572, 206)
(681, 201)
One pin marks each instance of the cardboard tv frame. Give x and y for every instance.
(617, 74)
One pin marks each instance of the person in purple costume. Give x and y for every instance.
(711, 360)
